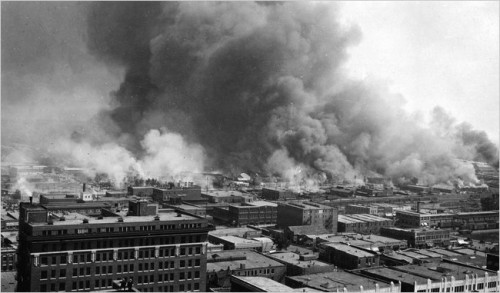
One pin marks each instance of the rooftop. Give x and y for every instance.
(9, 282)
(76, 219)
(307, 205)
(239, 240)
(251, 260)
(223, 193)
(389, 273)
(333, 281)
(349, 249)
(348, 220)
(294, 259)
(263, 203)
(232, 231)
(264, 284)
(369, 218)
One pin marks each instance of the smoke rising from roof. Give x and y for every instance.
(256, 87)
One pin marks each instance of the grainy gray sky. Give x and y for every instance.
(433, 53)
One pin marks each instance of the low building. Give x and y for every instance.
(339, 192)
(347, 257)
(245, 232)
(177, 194)
(9, 259)
(188, 208)
(438, 276)
(339, 281)
(362, 223)
(140, 190)
(418, 238)
(361, 209)
(236, 243)
(476, 220)
(371, 242)
(221, 265)
(277, 194)
(301, 264)
(227, 196)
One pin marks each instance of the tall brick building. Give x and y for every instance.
(307, 214)
(159, 252)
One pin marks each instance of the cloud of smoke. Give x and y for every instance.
(256, 88)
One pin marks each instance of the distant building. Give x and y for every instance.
(307, 214)
(9, 259)
(140, 190)
(277, 194)
(362, 223)
(251, 213)
(461, 221)
(371, 242)
(346, 256)
(177, 194)
(361, 209)
(339, 192)
(229, 197)
(419, 237)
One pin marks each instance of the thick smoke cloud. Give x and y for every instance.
(260, 87)
(252, 87)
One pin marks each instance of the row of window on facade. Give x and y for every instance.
(121, 255)
(120, 229)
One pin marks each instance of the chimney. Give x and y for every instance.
(84, 185)
(31, 199)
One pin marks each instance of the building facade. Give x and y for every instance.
(158, 252)
(307, 214)
(421, 237)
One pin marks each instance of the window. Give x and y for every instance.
(43, 260)
(197, 262)
(62, 287)
(62, 273)
(63, 259)
(182, 276)
(197, 274)
(44, 275)
(182, 263)
(43, 288)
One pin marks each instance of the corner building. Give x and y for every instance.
(163, 252)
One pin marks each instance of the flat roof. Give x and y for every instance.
(236, 239)
(348, 220)
(444, 252)
(349, 249)
(389, 273)
(265, 284)
(263, 203)
(369, 218)
(333, 281)
(253, 260)
(294, 259)
(126, 219)
(223, 193)
(413, 254)
(232, 231)
(468, 251)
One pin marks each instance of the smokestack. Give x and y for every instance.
(84, 187)
(418, 206)
(31, 199)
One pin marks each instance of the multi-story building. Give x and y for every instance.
(468, 221)
(277, 194)
(307, 214)
(420, 237)
(9, 259)
(178, 193)
(158, 252)
(346, 256)
(361, 209)
(252, 213)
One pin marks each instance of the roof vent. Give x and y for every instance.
(120, 219)
(62, 219)
(157, 218)
(85, 221)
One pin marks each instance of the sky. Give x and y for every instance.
(434, 54)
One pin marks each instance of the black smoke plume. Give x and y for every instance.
(261, 88)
